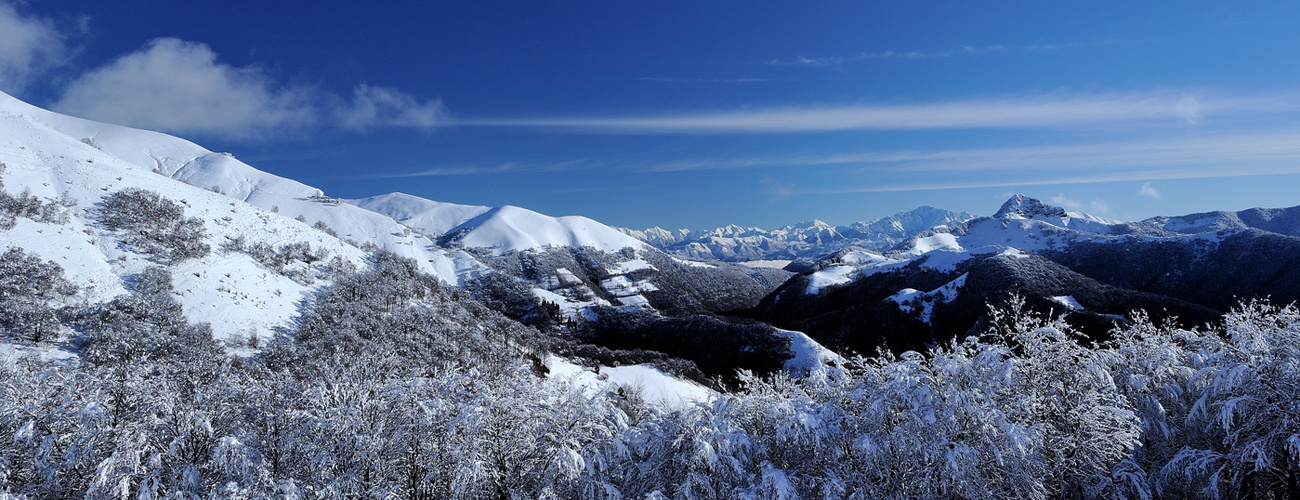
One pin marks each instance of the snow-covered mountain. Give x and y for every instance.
(260, 247)
(938, 283)
(808, 240)
(82, 154)
(500, 229)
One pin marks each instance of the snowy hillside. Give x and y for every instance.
(47, 140)
(259, 249)
(508, 228)
(230, 290)
(429, 217)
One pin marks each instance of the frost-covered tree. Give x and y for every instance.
(31, 293)
(154, 224)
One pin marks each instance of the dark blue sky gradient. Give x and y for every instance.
(527, 61)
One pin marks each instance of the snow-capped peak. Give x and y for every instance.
(508, 228)
(1020, 206)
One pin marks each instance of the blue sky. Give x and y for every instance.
(700, 114)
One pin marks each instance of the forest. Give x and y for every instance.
(393, 385)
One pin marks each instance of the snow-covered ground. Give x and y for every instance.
(656, 387)
(769, 264)
(808, 354)
(922, 303)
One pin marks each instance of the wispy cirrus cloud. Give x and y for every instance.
(701, 80)
(965, 50)
(1204, 156)
(509, 167)
(1055, 111)
(1190, 158)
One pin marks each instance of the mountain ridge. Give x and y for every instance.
(804, 240)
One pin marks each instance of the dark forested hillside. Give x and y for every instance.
(1247, 264)
(862, 317)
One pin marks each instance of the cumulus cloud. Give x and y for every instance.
(28, 46)
(177, 86)
(381, 106)
(1149, 191)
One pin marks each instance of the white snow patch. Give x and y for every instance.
(808, 354)
(692, 263)
(657, 388)
(621, 286)
(767, 264)
(864, 258)
(427, 216)
(828, 277)
(632, 265)
(937, 241)
(1067, 301)
(10, 352)
(636, 301)
(945, 259)
(913, 300)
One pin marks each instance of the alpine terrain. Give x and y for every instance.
(175, 323)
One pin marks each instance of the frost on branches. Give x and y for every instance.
(393, 386)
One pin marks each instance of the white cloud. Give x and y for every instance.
(1095, 206)
(1189, 109)
(28, 46)
(178, 86)
(382, 106)
(1065, 201)
(1061, 111)
(1149, 191)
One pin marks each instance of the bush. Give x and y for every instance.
(153, 224)
(146, 325)
(27, 206)
(27, 286)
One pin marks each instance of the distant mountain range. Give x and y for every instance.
(806, 240)
(939, 284)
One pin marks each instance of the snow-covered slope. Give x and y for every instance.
(433, 218)
(508, 228)
(44, 153)
(32, 132)
(500, 229)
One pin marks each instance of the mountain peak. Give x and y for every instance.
(1021, 206)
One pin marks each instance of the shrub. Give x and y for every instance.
(27, 286)
(153, 224)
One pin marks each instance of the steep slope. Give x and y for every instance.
(232, 290)
(116, 147)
